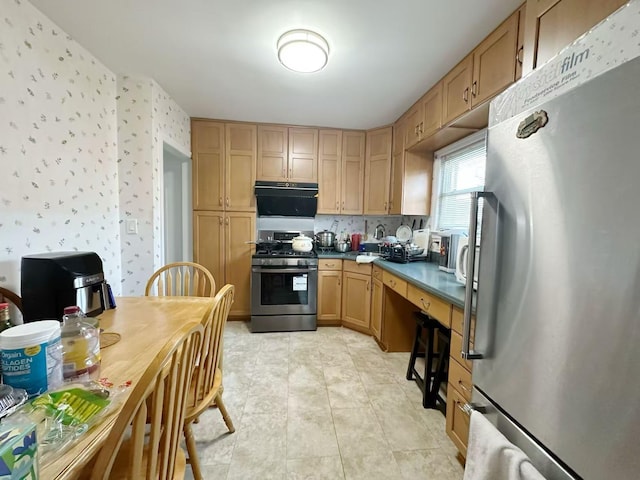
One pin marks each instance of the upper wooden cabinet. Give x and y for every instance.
(240, 166)
(410, 176)
(207, 144)
(483, 73)
(551, 25)
(425, 117)
(341, 172)
(287, 154)
(224, 165)
(456, 90)
(377, 171)
(494, 61)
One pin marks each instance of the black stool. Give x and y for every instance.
(436, 363)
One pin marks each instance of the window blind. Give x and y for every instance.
(462, 171)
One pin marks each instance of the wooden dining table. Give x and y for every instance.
(144, 324)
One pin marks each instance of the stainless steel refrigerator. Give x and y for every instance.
(557, 335)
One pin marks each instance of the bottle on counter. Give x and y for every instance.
(80, 337)
(5, 320)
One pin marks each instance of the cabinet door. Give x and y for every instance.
(329, 296)
(551, 25)
(522, 15)
(239, 229)
(457, 420)
(494, 61)
(456, 94)
(240, 167)
(207, 144)
(397, 176)
(208, 243)
(329, 171)
(303, 155)
(412, 131)
(432, 112)
(356, 290)
(272, 153)
(376, 309)
(352, 185)
(377, 172)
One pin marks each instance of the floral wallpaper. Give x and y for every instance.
(147, 117)
(58, 146)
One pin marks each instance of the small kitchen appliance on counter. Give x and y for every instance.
(284, 283)
(448, 249)
(52, 281)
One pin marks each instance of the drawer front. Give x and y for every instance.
(456, 348)
(376, 272)
(457, 321)
(330, 264)
(394, 283)
(460, 378)
(432, 305)
(351, 266)
(457, 420)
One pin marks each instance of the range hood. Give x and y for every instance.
(286, 199)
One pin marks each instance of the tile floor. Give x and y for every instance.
(321, 405)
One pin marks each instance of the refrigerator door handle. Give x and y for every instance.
(467, 353)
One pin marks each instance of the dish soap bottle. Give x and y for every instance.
(80, 345)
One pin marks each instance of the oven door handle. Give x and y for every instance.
(283, 270)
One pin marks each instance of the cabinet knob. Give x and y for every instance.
(367, 286)
(284, 172)
(474, 88)
(465, 95)
(226, 221)
(337, 206)
(227, 201)
(220, 201)
(220, 220)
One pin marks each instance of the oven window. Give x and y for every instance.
(284, 288)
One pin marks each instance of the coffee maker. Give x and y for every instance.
(448, 250)
(52, 281)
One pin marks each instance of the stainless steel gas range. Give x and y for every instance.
(284, 284)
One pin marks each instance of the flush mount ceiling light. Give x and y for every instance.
(303, 51)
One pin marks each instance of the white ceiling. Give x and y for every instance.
(217, 58)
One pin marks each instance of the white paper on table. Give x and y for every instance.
(300, 283)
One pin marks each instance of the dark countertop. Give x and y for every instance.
(423, 275)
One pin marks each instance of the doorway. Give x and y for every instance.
(178, 238)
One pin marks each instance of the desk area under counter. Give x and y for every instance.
(396, 291)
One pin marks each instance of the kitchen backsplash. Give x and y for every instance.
(58, 146)
(347, 223)
(81, 151)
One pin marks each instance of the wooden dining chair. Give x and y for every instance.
(181, 279)
(206, 388)
(144, 442)
(8, 295)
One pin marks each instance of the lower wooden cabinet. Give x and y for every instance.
(356, 309)
(329, 296)
(220, 245)
(457, 419)
(377, 305)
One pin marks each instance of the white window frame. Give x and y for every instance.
(438, 155)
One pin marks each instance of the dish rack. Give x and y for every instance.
(400, 253)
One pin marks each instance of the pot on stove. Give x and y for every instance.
(302, 243)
